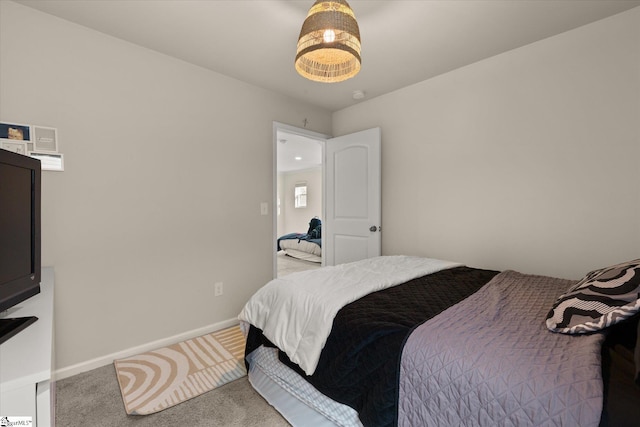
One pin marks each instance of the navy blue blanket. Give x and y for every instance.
(299, 236)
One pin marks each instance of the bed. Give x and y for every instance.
(412, 341)
(306, 246)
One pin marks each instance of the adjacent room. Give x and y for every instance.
(475, 154)
(298, 202)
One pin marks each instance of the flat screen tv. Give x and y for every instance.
(20, 181)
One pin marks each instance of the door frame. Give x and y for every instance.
(277, 126)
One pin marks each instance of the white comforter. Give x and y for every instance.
(296, 312)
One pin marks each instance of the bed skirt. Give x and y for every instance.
(296, 400)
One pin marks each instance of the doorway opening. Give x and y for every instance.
(298, 199)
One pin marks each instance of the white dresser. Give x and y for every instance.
(26, 359)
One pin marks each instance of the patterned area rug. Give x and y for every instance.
(159, 379)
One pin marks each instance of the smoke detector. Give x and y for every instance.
(358, 94)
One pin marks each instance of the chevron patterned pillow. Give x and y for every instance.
(602, 298)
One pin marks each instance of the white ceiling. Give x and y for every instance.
(403, 42)
(297, 152)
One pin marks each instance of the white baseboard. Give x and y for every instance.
(98, 362)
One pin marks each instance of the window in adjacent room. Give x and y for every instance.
(300, 195)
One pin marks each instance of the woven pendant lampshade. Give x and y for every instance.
(329, 43)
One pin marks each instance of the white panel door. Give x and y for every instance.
(351, 229)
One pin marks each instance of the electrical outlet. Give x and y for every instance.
(218, 289)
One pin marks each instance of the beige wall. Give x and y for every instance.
(150, 210)
(527, 160)
(297, 220)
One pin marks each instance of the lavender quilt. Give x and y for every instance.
(490, 360)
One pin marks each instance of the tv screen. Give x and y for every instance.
(20, 180)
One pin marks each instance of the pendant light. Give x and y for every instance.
(329, 43)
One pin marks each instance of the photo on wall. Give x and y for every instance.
(45, 139)
(49, 161)
(15, 132)
(15, 146)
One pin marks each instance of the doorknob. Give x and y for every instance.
(373, 228)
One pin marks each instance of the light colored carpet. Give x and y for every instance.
(159, 379)
(92, 399)
(288, 264)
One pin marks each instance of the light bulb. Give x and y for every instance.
(329, 36)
